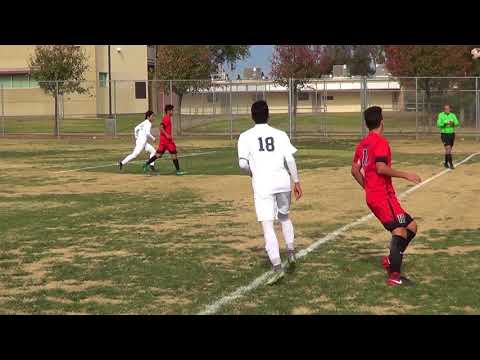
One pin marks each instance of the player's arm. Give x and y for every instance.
(441, 121)
(162, 131)
(456, 122)
(292, 168)
(356, 173)
(356, 167)
(385, 170)
(243, 154)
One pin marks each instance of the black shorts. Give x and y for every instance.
(448, 139)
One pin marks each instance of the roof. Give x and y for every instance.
(14, 71)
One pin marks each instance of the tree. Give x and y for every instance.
(192, 65)
(299, 63)
(59, 70)
(430, 61)
(361, 61)
(337, 55)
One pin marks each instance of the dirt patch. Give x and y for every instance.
(302, 310)
(101, 300)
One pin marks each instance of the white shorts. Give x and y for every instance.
(267, 207)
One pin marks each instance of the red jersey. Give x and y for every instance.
(167, 127)
(372, 149)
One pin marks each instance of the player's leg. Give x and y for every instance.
(283, 201)
(450, 143)
(265, 209)
(136, 151)
(151, 150)
(159, 153)
(172, 149)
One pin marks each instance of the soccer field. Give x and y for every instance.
(79, 237)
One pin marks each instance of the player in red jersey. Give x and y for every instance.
(373, 156)
(166, 141)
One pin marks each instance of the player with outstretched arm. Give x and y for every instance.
(265, 153)
(142, 134)
(374, 156)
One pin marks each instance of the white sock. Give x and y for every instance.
(128, 158)
(271, 243)
(288, 234)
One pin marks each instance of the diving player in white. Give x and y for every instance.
(265, 153)
(142, 134)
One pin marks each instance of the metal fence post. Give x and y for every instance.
(231, 111)
(57, 121)
(290, 106)
(477, 109)
(416, 108)
(3, 110)
(115, 108)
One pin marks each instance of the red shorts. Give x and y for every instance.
(388, 210)
(170, 147)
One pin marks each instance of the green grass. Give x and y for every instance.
(173, 252)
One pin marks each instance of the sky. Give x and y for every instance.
(260, 56)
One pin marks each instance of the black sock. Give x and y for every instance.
(152, 159)
(177, 166)
(396, 254)
(446, 158)
(404, 245)
(450, 159)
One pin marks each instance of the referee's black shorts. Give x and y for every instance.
(448, 139)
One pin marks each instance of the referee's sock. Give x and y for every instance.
(446, 158)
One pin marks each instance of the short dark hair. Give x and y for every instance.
(148, 114)
(260, 112)
(373, 117)
(168, 108)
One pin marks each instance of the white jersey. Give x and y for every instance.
(142, 130)
(265, 148)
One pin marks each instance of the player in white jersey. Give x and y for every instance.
(142, 134)
(265, 153)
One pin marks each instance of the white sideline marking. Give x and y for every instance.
(241, 291)
(108, 165)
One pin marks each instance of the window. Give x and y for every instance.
(103, 79)
(6, 81)
(329, 97)
(211, 98)
(140, 90)
(303, 96)
(20, 81)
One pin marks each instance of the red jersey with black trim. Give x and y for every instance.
(372, 149)
(167, 127)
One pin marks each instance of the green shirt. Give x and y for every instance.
(443, 122)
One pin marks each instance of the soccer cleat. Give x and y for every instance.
(276, 277)
(446, 165)
(451, 166)
(180, 173)
(386, 263)
(120, 165)
(394, 279)
(145, 167)
(153, 168)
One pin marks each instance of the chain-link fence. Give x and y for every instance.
(302, 107)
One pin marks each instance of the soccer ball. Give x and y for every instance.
(476, 53)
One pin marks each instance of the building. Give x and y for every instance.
(22, 95)
(324, 95)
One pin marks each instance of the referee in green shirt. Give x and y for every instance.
(447, 122)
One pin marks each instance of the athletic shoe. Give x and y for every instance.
(386, 264)
(276, 277)
(120, 165)
(180, 173)
(406, 281)
(153, 168)
(446, 165)
(451, 166)
(145, 167)
(394, 279)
